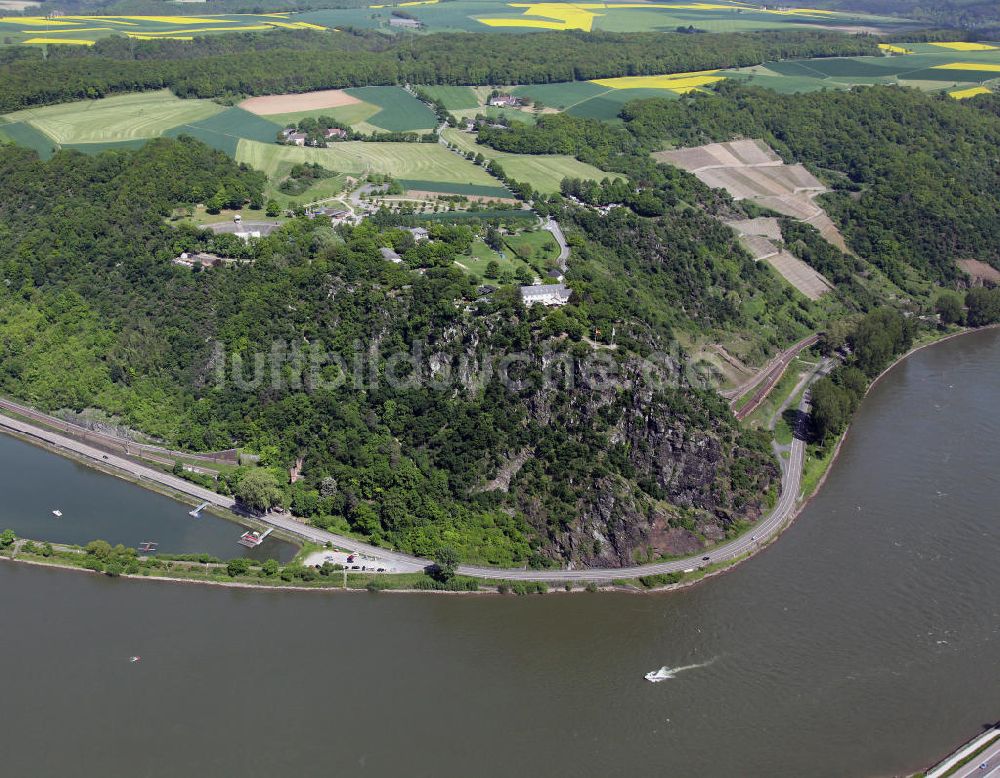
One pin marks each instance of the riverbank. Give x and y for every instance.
(680, 573)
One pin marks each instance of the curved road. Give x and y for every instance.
(763, 531)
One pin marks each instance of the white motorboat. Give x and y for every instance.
(663, 674)
(57, 513)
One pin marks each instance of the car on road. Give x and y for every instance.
(704, 559)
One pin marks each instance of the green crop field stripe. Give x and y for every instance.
(458, 189)
(401, 111)
(236, 123)
(97, 148)
(23, 134)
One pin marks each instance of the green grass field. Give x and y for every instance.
(23, 134)
(544, 172)
(399, 111)
(351, 115)
(474, 263)
(124, 117)
(415, 161)
(455, 98)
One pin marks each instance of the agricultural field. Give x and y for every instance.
(544, 172)
(85, 30)
(454, 98)
(398, 110)
(960, 69)
(424, 162)
(370, 109)
(520, 17)
(125, 117)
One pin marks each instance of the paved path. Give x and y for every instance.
(764, 530)
(553, 226)
(985, 765)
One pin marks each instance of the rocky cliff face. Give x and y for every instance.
(672, 471)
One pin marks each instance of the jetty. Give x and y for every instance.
(253, 538)
(197, 511)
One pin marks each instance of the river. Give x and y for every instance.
(35, 482)
(865, 642)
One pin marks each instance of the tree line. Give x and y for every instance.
(297, 61)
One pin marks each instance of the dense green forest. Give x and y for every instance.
(94, 314)
(299, 61)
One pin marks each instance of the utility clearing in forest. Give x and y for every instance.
(751, 170)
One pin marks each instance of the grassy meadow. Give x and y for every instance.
(124, 117)
(416, 161)
(544, 172)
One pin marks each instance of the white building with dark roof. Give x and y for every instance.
(390, 255)
(546, 294)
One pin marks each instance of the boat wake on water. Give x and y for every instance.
(666, 673)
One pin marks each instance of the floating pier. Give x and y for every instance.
(147, 547)
(197, 511)
(253, 538)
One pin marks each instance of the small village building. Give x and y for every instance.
(390, 255)
(334, 132)
(505, 101)
(545, 294)
(419, 233)
(405, 23)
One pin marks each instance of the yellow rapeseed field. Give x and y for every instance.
(680, 83)
(964, 94)
(964, 46)
(65, 41)
(968, 66)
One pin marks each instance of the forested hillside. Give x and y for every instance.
(914, 175)
(300, 61)
(93, 314)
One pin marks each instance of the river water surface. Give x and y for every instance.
(865, 642)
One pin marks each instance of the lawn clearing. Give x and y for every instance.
(479, 257)
(124, 117)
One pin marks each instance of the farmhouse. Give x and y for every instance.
(334, 132)
(419, 233)
(390, 255)
(545, 294)
(405, 23)
(293, 136)
(505, 101)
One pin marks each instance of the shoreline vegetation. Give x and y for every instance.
(204, 569)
